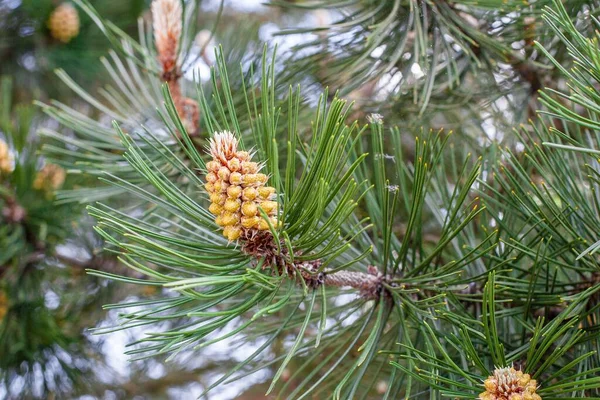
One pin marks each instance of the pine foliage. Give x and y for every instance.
(361, 259)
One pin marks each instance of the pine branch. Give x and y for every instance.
(253, 236)
(369, 285)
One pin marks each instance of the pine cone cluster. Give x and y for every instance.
(237, 189)
(5, 158)
(64, 23)
(49, 178)
(509, 384)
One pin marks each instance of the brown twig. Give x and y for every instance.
(167, 24)
(369, 284)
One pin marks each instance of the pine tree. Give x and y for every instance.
(33, 334)
(362, 252)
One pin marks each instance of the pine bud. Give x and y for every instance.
(237, 190)
(224, 173)
(270, 207)
(5, 158)
(249, 209)
(218, 198)
(249, 167)
(249, 222)
(211, 177)
(49, 178)
(266, 192)
(232, 205)
(234, 191)
(215, 208)
(235, 178)
(167, 25)
(249, 194)
(509, 384)
(213, 166)
(230, 218)
(232, 232)
(64, 23)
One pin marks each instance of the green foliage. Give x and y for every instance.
(323, 184)
(32, 336)
(30, 54)
(407, 267)
(445, 41)
(539, 311)
(430, 64)
(457, 362)
(18, 188)
(134, 100)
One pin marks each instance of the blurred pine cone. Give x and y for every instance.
(64, 23)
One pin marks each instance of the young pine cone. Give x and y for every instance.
(509, 384)
(64, 23)
(49, 178)
(5, 158)
(237, 190)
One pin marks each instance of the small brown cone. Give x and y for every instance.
(64, 23)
